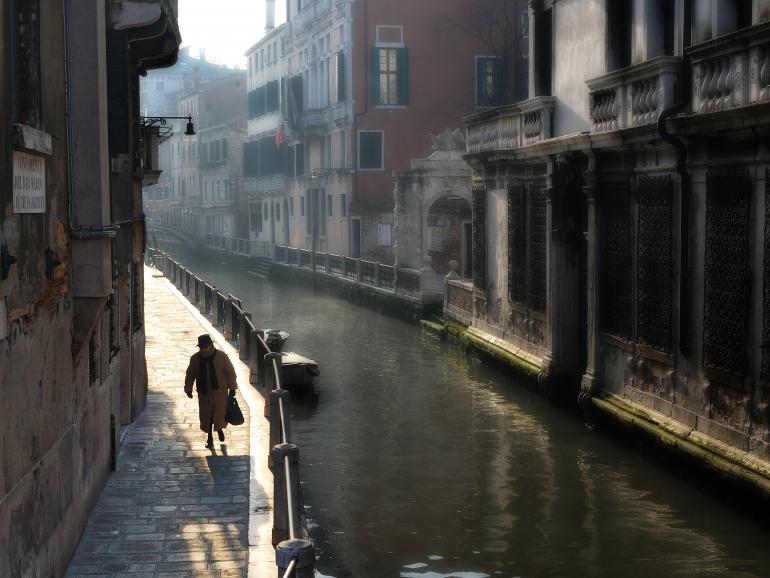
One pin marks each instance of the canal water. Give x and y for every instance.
(418, 462)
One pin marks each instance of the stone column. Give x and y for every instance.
(553, 253)
(589, 384)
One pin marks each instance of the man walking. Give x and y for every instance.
(214, 375)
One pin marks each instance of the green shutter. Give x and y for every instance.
(375, 76)
(340, 76)
(402, 60)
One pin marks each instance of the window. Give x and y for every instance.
(343, 205)
(256, 217)
(329, 206)
(384, 231)
(343, 160)
(370, 150)
(490, 81)
(619, 34)
(390, 76)
(326, 152)
(266, 210)
(224, 148)
(544, 52)
(291, 206)
(297, 160)
(302, 206)
(25, 62)
(339, 77)
(277, 212)
(320, 211)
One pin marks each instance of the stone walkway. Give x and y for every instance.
(174, 509)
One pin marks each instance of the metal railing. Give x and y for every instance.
(360, 270)
(295, 553)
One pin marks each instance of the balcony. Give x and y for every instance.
(265, 185)
(634, 96)
(732, 70)
(312, 119)
(511, 126)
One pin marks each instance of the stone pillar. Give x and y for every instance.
(589, 383)
(453, 265)
(553, 261)
(286, 504)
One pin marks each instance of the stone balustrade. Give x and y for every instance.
(634, 96)
(263, 185)
(732, 70)
(512, 126)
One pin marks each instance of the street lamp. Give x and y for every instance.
(160, 121)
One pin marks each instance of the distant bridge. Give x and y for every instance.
(187, 238)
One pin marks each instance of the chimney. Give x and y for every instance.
(270, 16)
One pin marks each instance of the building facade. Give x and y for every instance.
(71, 275)
(160, 91)
(352, 93)
(222, 132)
(620, 213)
(265, 205)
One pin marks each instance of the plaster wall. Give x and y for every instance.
(578, 56)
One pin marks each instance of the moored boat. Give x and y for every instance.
(297, 370)
(275, 339)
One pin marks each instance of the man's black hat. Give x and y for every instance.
(204, 340)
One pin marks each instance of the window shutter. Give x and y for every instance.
(402, 60)
(375, 76)
(340, 76)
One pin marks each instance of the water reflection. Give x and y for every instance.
(418, 462)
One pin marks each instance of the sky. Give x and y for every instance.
(224, 28)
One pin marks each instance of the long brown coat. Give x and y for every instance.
(213, 404)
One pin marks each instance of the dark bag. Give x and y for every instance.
(233, 415)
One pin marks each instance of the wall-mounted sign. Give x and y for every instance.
(28, 183)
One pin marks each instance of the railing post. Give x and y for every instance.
(359, 271)
(302, 551)
(244, 333)
(377, 274)
(328, 263)
(254, 356)
(280, 493)
(228, 318)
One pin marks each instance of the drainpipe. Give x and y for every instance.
(685, 345)
(101, 231)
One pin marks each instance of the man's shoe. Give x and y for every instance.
(221, 435)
